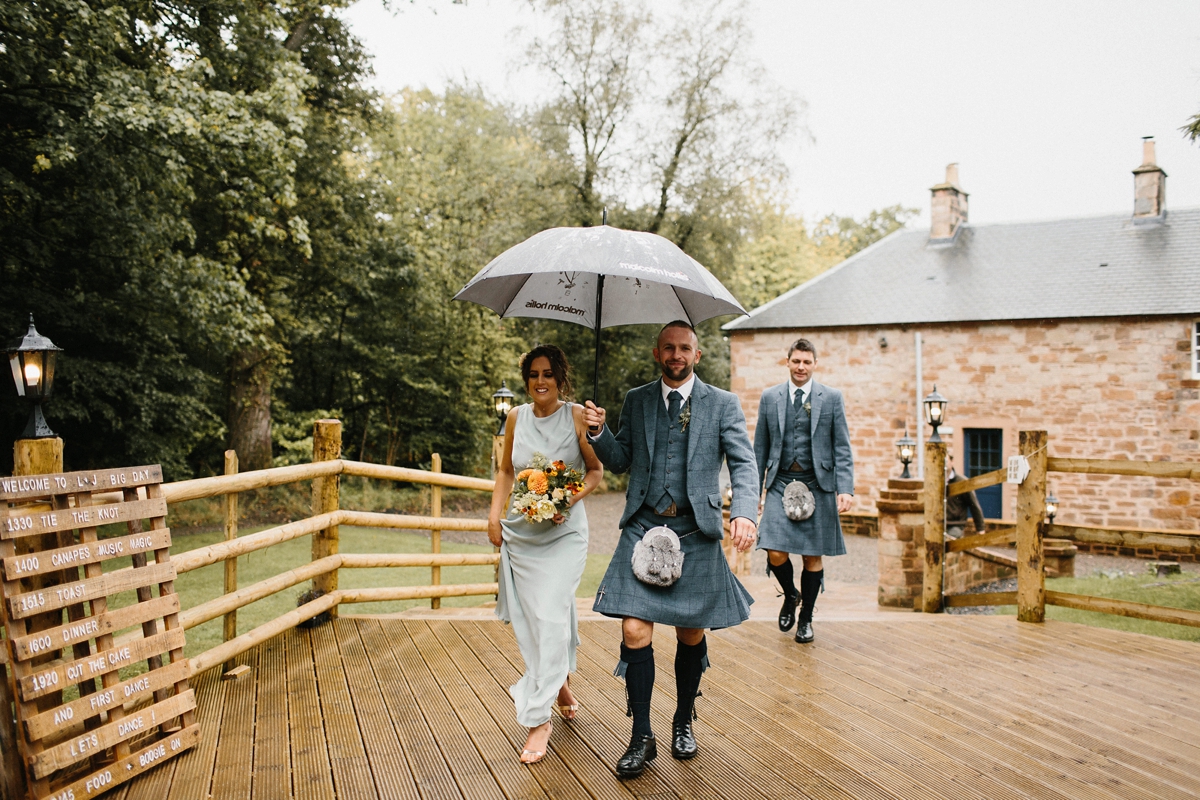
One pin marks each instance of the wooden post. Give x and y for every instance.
(435, 535)
(935, 526)
(231, 530)
(327, 446)
(31, 457)
(1031, 508)
(497, 454)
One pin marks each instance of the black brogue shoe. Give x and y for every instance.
(683, 741)
(642, 749)
(787, 614)
(804, 633)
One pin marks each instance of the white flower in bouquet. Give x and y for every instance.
(557, 495)
(546, 510)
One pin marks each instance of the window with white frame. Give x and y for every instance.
(1196, 349)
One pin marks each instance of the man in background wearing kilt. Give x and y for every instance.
(673, 436)
(801, 435)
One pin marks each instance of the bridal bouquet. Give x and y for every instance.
(545, 489)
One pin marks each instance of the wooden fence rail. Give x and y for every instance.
(1031, 596)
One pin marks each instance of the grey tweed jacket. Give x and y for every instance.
(833, 459)
(717, 430)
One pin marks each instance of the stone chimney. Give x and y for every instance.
(949, 206)
(1149, 184)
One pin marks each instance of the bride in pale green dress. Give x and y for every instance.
(541, 562)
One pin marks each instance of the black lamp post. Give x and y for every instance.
(503, 402)
(32, 360)
(1051, 507)
(935, 412)
(906, 449)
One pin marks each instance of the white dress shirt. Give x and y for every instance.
(685, 391)
(806, 389)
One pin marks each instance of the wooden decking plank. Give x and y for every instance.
(604, 729)
(347, 754)
(1089, 707)
(1082, 730)
(964, 738)
(1127, 677)
(1105, 707)
(312, 774)
(153, 784)
(716, 750)
(761, 754)
(469, 769)
(389, 769)
(569, 740)
(235, 748)
(1081, 763)
(194, 769)
(887, 767)
(1166, 655)
(555, 778)
(492, 744)
(272, 757)
(425, 761)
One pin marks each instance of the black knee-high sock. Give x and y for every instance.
(786, 576)
(690, 662)
(810, 587)
(639, 685)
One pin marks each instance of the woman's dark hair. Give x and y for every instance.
(558, 366)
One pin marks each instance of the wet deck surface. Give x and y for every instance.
(939, 707)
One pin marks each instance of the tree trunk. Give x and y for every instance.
(250, 407)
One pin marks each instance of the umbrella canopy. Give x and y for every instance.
(599, 278)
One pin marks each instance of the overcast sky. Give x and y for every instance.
(1042, 104)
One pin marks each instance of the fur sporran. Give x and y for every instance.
(657, 558)
(798, 501)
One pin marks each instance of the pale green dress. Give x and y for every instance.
(540, 567)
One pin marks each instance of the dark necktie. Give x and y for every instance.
(673, 406)
(799, 402)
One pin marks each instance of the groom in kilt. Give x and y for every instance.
(673, 436)
(801, 436)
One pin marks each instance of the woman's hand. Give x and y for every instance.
(558, 519)
(495, 535)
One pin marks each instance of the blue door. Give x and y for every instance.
(983, 452)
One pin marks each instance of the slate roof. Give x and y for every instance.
(1092, 267)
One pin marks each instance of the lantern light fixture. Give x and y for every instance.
(1051, 506)
(32, 359)
(935, 411)
(906, 449)
(502, 401)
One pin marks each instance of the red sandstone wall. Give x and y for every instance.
(1105, 388)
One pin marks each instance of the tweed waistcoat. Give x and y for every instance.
(797, 439)
(668, 474)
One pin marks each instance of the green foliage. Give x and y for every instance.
(205, 206)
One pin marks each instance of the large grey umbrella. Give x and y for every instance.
(599, 278)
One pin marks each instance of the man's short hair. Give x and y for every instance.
(805, 345)
(677, 323)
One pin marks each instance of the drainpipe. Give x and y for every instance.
(920, 426)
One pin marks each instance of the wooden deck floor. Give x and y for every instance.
(948, 707)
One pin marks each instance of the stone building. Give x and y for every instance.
(1087, 328)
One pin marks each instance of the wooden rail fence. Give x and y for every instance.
(1031, 596)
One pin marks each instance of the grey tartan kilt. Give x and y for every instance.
(819, 535)
(707, 595)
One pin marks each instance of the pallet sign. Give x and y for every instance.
(61, 633)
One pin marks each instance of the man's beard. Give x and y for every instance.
(682, 374)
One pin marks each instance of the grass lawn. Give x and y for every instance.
(1176, 591)
(202, 585)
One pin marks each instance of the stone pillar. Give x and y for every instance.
(901, 543)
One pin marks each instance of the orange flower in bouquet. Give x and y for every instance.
(545, 489)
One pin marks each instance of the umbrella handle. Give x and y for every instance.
(596, 366)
